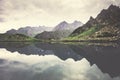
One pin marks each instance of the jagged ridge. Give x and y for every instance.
(106, 25)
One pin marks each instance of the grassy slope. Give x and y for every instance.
(92, 35)
(15, 37)
(85, 34)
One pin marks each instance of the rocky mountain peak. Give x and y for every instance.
(109, 16)
(76, 21)
(64, 22)
(67, 26)
(92, 21)
(106, 24)
(91, 18)
(111, 7)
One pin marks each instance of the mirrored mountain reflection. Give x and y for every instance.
(61, 50)
(15, 66)
(105, 57)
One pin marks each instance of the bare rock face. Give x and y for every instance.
(108, 22)
(110, 16)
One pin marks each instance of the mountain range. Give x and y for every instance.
(30, 31)
(60, 31)
(68, 26)
(106, 26)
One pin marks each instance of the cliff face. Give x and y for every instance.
(105, 25)
(111, 16)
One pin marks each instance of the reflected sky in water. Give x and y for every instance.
(60, 50)
(46, 61)
(33, 67)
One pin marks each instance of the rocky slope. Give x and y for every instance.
(106, 26)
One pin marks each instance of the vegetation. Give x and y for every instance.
(85, 34)
(15, 37)
(104, 27)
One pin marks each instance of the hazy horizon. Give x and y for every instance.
(19, 13)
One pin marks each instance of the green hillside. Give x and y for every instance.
(106, 26)
(15, 37)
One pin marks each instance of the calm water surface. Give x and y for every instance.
(57, 61)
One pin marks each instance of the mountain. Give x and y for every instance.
(29, 31)
(106, 26)
(63, 51)
(62, 30)
(49, 35)
(15, 37)
(68, 26)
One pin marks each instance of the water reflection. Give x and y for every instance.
(33, 67)
(60, 50)
(105, 58)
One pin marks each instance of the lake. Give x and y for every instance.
(59, 61)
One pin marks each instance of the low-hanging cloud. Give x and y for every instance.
(15, 66)
(19, 13)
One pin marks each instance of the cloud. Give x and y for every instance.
(1, 11)
(15, 66)
(19, 13)
(2, 20)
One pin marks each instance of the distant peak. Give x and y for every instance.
(112, 5)
(64, 22)
(28, 26)
(79, 23)
(13, 29)
(76, 21)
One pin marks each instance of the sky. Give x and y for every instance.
(20, 13)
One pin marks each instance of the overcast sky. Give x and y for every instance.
(21, 13)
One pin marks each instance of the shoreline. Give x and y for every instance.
(94, 41)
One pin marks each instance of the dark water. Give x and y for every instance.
(57, 61)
